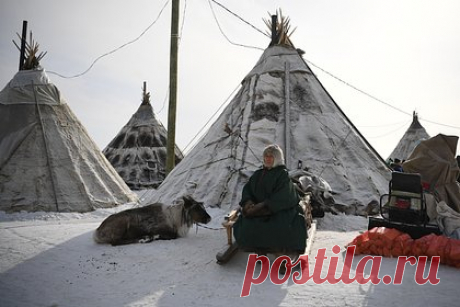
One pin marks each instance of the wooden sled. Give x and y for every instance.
(231, 248)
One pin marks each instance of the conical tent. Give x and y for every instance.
(138, 152)
(48, 162)
(280, 101)
(411, 138)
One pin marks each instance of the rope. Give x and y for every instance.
(207, 227)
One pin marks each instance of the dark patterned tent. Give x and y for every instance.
(138, 152)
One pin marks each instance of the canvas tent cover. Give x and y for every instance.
(411, 138)
(435, 160)
(301, 117)
(48, 162)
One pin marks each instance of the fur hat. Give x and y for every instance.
(276, 152)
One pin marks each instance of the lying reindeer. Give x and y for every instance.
(155, 221)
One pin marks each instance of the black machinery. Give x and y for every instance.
(404, 207)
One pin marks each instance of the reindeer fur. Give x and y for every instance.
(155, 221)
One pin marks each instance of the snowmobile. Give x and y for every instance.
(404, 207)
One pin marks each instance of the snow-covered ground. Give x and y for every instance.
(50, 259)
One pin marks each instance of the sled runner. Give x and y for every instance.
(231, 248)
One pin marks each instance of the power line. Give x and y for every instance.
(180, 38)
(436, 123)
(237, 16)
(386, 125)
(183, 21)
(330, 74)
(375, 98)
(114, 50)
(241, 45)
(391, 132)
(323, 70)
(212, 116)
(357, 89)
(164, 102)
(222, 32)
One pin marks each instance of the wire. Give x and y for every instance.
(357, 89)
(237, 16)
(391, 132)
(183, 21)
(436, 123)
(375, 98)
(222, 32)
(379, 126)
(180, 39)
(212, 116)
(164, 102)
(313, 64)
(323, 70)
(114, 50)
(241, 45)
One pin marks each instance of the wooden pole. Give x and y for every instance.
(144, 93)
(23, 45)
(287, 110)
(172, 88)
(274, 33)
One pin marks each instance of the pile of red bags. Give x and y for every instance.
(390, 242)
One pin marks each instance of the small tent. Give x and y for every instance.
(138, 151)
(411, 138)
(280, 101)
(48, 162)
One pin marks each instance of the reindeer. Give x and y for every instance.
(152, 222)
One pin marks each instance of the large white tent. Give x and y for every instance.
(138, 151)
(48, 162)
(280, 101)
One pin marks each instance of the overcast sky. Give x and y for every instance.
(405, 53)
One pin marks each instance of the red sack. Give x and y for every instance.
(454, 252)
(391, 242)
(390, 234)
(402, 245)
(437, 246)
(421, 245)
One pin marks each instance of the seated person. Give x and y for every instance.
(396, 166)
(272, 220)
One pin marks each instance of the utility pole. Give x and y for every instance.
(172, 88)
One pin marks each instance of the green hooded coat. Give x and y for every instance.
(285, 229)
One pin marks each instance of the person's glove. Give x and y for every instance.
(247, 206)
(254, 210)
